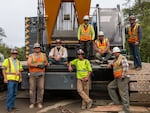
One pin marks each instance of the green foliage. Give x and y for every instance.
(21, 54)
(6, 52)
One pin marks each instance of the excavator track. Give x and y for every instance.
(140, 84)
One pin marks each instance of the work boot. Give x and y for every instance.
(40, 105)
(89, 105)
(138, 68)
(83, 107)
(15, 109)
(111, 103)
(31, 106)
(11, 111)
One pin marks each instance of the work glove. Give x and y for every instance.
(41, 66)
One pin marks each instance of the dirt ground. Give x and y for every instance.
(68, 102)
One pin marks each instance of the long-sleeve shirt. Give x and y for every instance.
(125, 67)
(91, 30)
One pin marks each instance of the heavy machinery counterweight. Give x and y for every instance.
(52, 10)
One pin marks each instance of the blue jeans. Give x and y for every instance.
(135, 52)
(62, 61)
(12, 87)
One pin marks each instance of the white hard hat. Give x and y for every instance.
(116, 50)
(80, 51)
(58, 41)
(100, 33)
(86, 17)
(14, 50)
(36, 45)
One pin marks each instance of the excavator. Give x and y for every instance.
(61, 19)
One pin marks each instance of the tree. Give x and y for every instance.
(2, 33)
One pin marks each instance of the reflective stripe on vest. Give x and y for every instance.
(85, 33)
(117, 67)
(103, 45)
(36, 60)
(133, 35)
(10, 75)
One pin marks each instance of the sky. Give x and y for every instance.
(13, 12)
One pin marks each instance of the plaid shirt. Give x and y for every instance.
(125, 67)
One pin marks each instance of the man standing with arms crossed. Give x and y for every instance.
(12, 76)
(36, 62)
(134, 32)
(86, 35)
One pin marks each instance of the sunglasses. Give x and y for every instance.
(101, 36)
(80, 54)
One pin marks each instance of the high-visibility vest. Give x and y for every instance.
(60, 52)
(117, 67)
(36, 60)
(13, 73)
(103, 45)
(133, 34)
(85, 33)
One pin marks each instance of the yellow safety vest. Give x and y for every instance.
(133, 34)
(85, 33)
(13, 73)
(103, 45)
(117, 67)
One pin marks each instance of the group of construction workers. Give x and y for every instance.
(37, 61)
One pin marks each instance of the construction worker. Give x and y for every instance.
(102, 47)
(86, 35)
(134, 32)
(120, 82)
(36, 62)
(83, 73)
(11, 69)
(58, 54)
